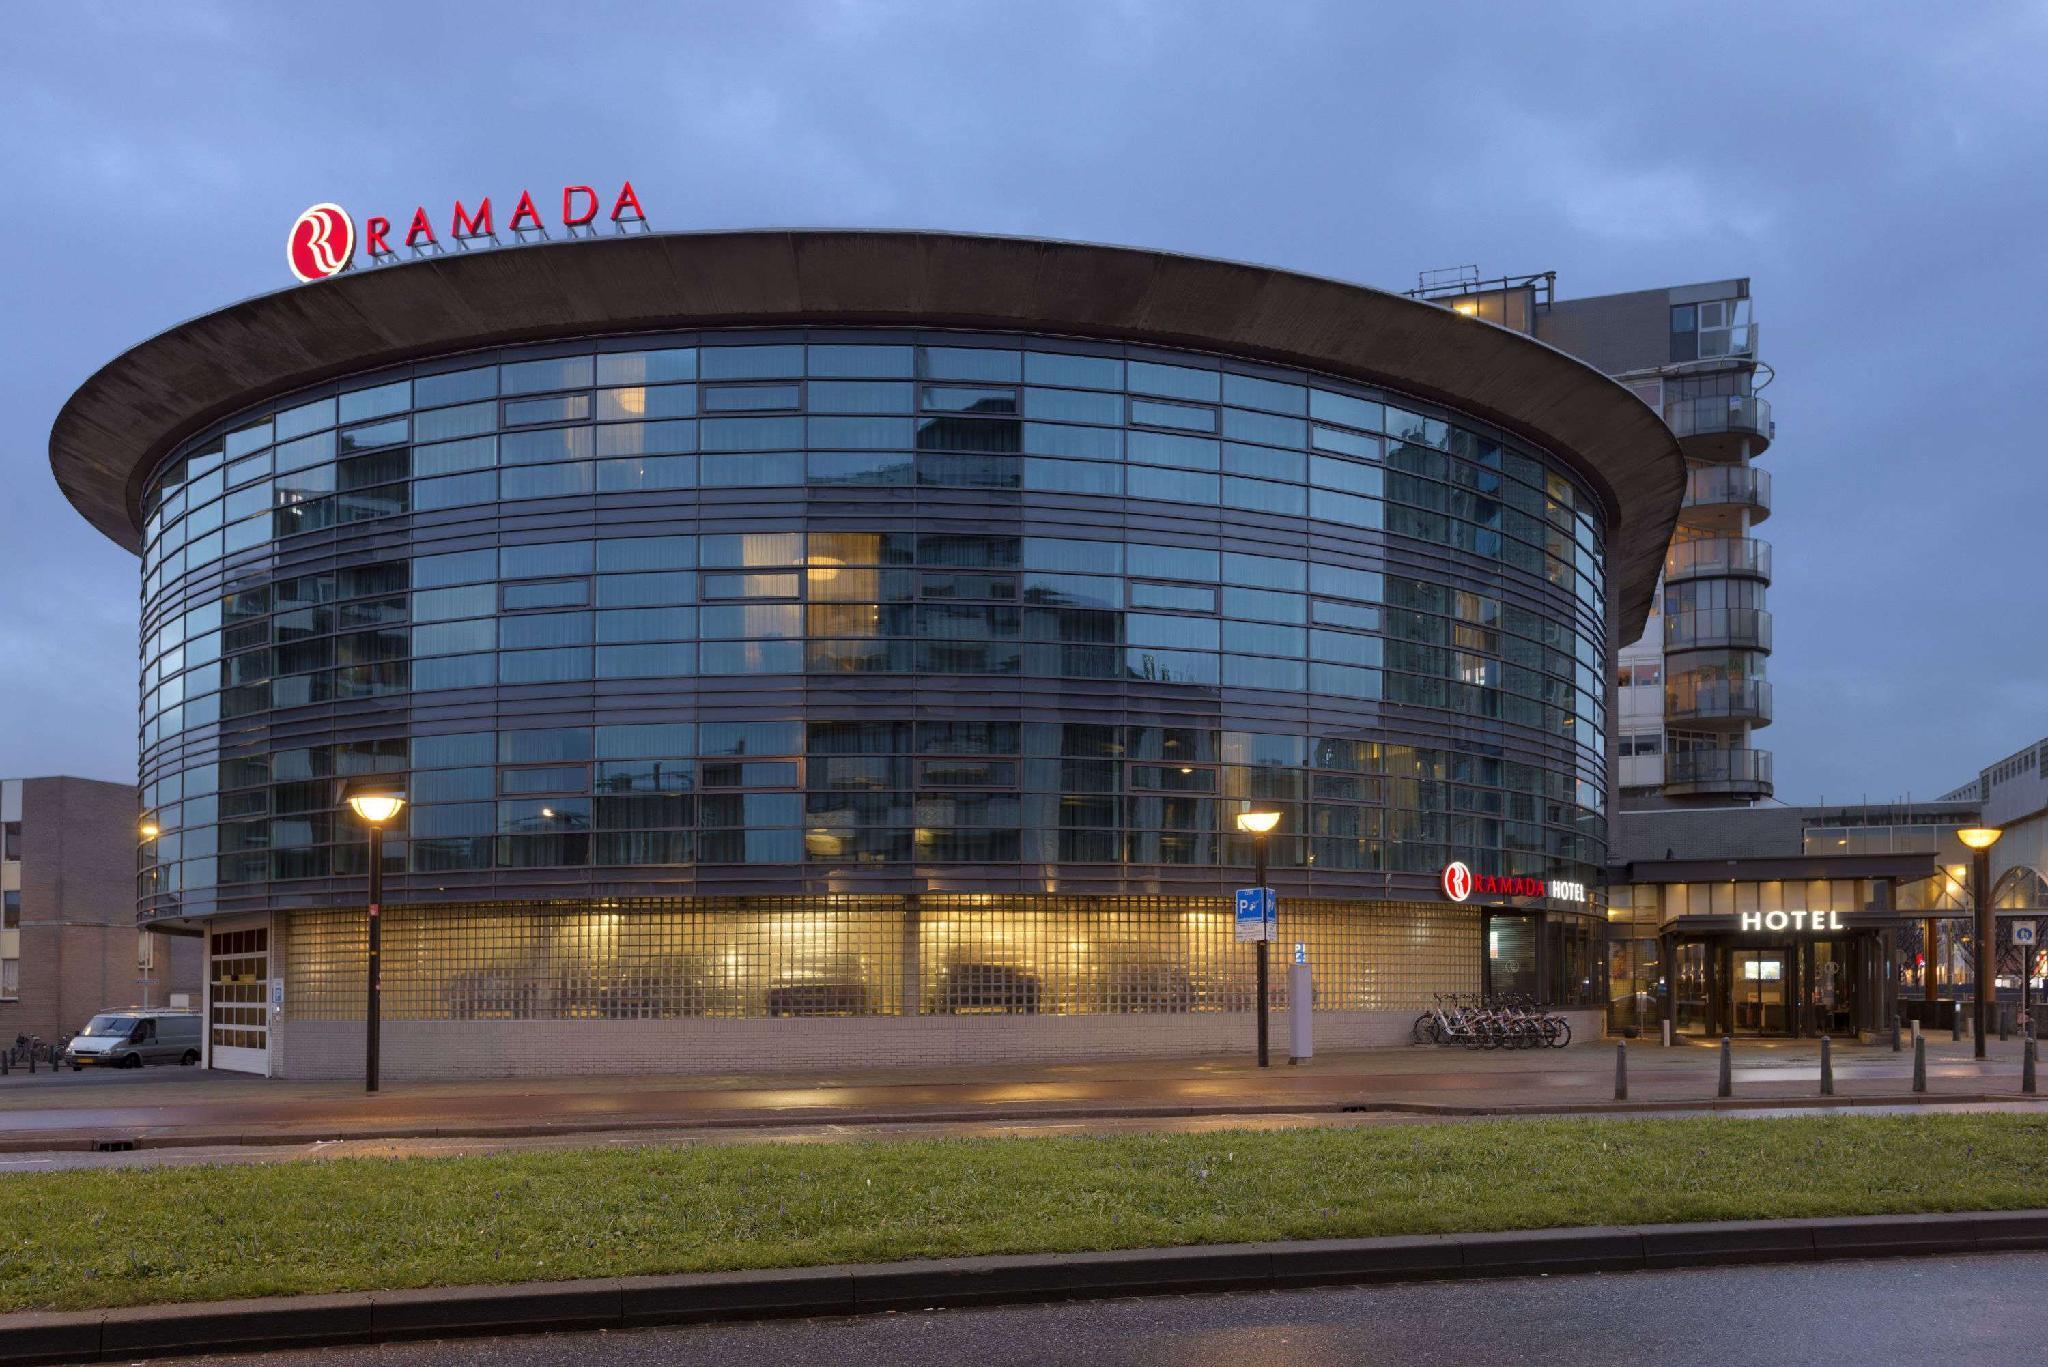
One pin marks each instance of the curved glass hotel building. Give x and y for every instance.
(834, 647)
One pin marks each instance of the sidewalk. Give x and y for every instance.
(185, 1107)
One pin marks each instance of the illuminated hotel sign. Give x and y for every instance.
(323, 240)
(1792, 920)
(1459, 883)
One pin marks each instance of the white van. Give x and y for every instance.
(131, 1038)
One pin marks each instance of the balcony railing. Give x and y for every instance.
(1730, 415)
(1689, 697)
(1742, 628)
(1711, 557)
(1722, 486)
(1718, 771)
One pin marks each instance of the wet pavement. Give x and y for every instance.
(323, 1150)
(187, 1107)
(1923, 1310)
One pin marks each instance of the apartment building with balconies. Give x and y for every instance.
(1692, 691)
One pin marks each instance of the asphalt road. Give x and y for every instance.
(1859, 1314)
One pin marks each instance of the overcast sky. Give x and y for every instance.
(1876, 170)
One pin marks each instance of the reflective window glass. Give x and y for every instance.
(1078, 372)
(750, 362)
(1175, 381)
(647, 367)
(972, 363)
(537, 377)
(460, 386)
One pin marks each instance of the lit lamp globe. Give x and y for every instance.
(376, 808)
(1257, 823)
(150, 830)
(1979, 837)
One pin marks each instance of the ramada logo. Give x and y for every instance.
(1457, 882)
(1460, 883)
(323, 239)
(322, 242)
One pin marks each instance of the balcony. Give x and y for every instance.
(1713, 700)
(1717, 773)
(1721, 426)
(1733, 488)
(1718, 557)
(1737, 628)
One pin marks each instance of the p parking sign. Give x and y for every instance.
(1254, 914)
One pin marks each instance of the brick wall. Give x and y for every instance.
(78, 945)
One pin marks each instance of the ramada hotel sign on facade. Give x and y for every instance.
(1459, 883)
(323, 239)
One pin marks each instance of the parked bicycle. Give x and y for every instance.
(1501, 1022)
(32, 1050)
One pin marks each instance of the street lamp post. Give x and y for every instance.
(374, 807)
(147, 975)
(1980, 839)
(1258, 825)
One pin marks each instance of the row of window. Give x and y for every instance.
(636, 794)
(1177, 396)
(1341, 492)
(850, 566)
(646, 619)
(322, 474)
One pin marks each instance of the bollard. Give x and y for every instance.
(1895, 1032)
(1955, 1022)
(6, 1062)
(2027, 1068)
(31, 1060)
(1620, 1071)
(1727, 1087)
(1827, 1066)
(1919, 1065)
(2004, 1021)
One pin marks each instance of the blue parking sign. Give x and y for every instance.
(1254, 914)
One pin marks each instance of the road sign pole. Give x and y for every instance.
(1266, 918)
(2023, 937)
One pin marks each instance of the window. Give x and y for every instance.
(10, 840)
(10, 926)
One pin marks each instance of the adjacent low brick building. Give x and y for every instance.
(70, 946)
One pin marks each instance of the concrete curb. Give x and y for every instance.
(629, 1302)
(142, 1138)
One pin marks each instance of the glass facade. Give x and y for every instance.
(944, 955)
(827, 611)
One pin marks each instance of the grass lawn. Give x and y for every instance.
(73, 1240)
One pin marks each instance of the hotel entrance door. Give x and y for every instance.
(1761, 978)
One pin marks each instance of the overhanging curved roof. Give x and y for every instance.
(123, 420)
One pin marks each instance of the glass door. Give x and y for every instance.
(1689, 976)
(1761, 977)
(237, 991)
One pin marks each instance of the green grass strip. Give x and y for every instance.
(73, 1240)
